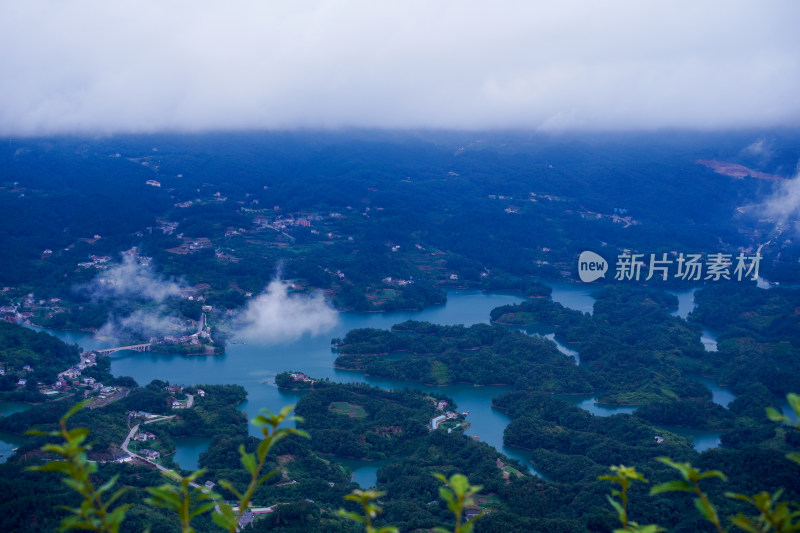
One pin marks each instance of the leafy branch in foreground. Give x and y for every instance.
(774, 415)
(94, 514)
(774, 516)
(227, 517)
(624, 476)
(366, 498)
(186, 503)
(691, 483)
(458, 494)
(780, 517)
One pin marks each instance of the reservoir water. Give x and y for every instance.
(704, 439)
(8, 443)
(188, 450)
(719, 395)
(545, 331)
(9, 408)
(576, 296)
(709, 340)
(590, 402)
(365, 473)
(563, 348)
(255, 364)
(685, 302)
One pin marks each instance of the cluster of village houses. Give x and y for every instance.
(448, 415)
(182, 404)
(302, 377)
(68, 379)
(146, 436)
(24, 309)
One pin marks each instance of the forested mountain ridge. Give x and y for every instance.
(382, 220)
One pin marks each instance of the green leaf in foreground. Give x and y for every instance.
(94, 514)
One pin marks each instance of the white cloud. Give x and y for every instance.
(131, 280)
(760, 148)
(92, 66)
(275, 315)
(128, 281)
(784, 205)
(141, 324)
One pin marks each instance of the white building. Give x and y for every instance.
(438, 420)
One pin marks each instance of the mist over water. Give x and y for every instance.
(277, 315)
(141, 323)
(131, 280)
(135, 281)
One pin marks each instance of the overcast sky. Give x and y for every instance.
(144, 66)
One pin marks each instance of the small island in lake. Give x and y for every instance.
(295, 381)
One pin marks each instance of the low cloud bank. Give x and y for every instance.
(323, 64)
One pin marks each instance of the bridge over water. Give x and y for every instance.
(135, 347)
